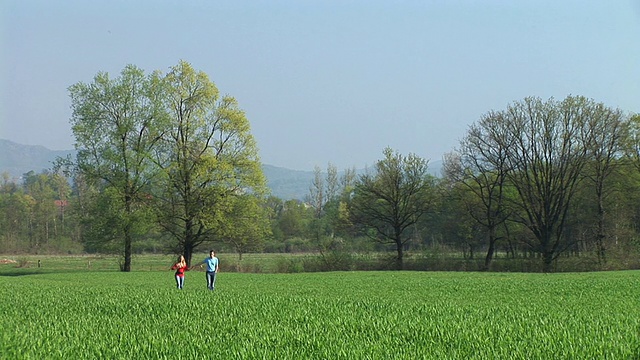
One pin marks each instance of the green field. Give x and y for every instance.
(334, 315)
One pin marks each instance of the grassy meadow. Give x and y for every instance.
(84, 311)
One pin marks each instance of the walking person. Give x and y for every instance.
(212, 268)
(180, 267)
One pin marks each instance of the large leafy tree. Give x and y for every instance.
(388, 202)
(115, 122)
(207, 157)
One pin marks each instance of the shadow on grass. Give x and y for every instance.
(11, 272)
(22, 272)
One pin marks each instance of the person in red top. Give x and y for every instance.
(180, 267)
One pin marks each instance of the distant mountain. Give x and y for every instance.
(286, 183)
(18, 159)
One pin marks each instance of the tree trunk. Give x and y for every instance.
(126, 267)
(547, 261)
(489, 258)
(188, 253)
(491, 250)
(399, 259)
(601, 235)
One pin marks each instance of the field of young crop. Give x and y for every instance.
(336, 315)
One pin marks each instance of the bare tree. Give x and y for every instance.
(387, 203)
(317, 191)
(480, 168)
(606, 132)
(333, 183)
(323, 190)
(545, 152)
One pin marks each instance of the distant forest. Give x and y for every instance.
(544, 185)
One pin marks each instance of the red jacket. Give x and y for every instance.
(180, 269)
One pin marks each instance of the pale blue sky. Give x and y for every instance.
(325, 81)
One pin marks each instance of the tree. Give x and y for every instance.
(294, 219)
(38, 186)
(317, 196)
(16, 222)
(207, 156)
(605, 140)
(114, 122)
(632, 141)
(341, 220)
(479, 167)
(388, 202)
(545, 149)
(450, 223)
(325, 199)
(246, 225)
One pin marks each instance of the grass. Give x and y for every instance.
(337, 315)
(302, 262)
(40, 264)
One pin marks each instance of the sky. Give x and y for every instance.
(325, 82)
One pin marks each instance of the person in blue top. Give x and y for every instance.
(212, 268)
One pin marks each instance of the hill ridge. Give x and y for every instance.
(18, 159)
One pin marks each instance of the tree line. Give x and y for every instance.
(166, 164)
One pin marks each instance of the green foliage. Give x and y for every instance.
(103, 225)
(246, 224)
(294, 219)
(341, 315)
(169, 143)
(169, 149)
(207, 156)
(116, 124)
(35, 214)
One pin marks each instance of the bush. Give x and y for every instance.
(336, 261)
(291, 265)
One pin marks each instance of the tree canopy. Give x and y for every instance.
(170, 141)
